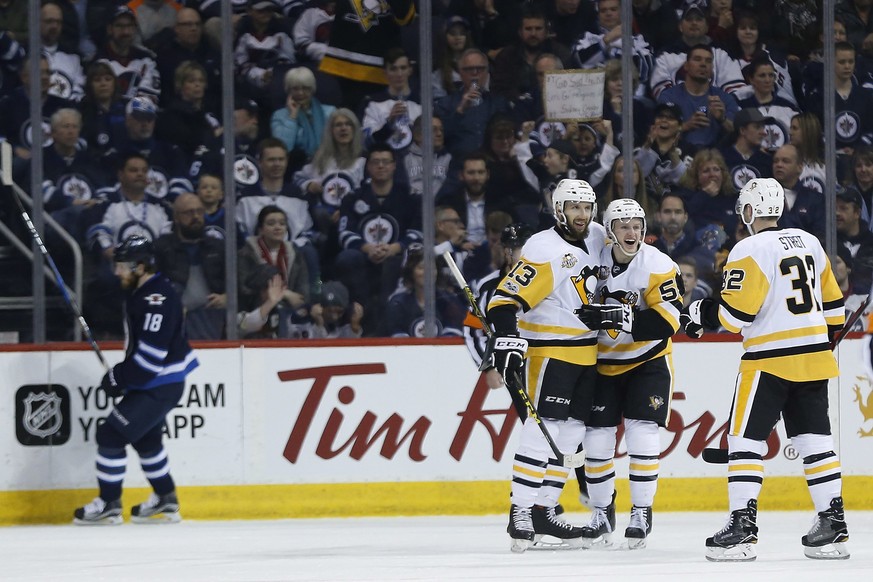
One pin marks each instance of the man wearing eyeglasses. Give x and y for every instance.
(465, 113)
(189, 44)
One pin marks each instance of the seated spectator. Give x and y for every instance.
(656, 21)
(336, 170)
(263, 48)
(709, 195)
(804, 207)
(210, 190)
(694, 290)
(194, 262)
(311, 32)
(273, 190)
(455, 40)
(67, 77)
(568, 19)
(389, 114)
(744, 155)
(270, 246)
(189, 44)
(301, 123)
(102, 108)
(260, 317)
(675, 236)
(853, 233)
(720, 21)
(794, 24)
(377, 223)
(557, 162)
(761, 76)
(133, 65)
(466, 113)
(168, 169)
(503, 166)
(404, 316)
(335, 317)
(707, 111)
(662, 157)
(185, 122)
(615, 188)
(746, 47)
(11, 60)
(861, 179)
(413, 161)
(451, 236)
(805, 134)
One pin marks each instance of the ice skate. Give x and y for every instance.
(639, 528)
(735, 541)
(520, 528)
(99, 512)
(552, 532)
(157, 509)
(827, 538)
(598, 532)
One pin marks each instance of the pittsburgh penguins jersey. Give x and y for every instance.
(779, 291)
(651, 282)
(553, 278)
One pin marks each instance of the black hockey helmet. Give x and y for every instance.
(135, 249)
(515, 235)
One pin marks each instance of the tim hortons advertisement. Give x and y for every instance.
(364, 413)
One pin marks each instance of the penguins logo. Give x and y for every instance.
(586, 283)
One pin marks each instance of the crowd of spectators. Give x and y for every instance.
(328, 141)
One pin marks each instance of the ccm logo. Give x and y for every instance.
(557, 400)
(510, 344)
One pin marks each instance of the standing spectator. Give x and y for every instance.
(300, 124)
(673, 237)
(861, 179)
(360, 36)
(11, 60)
(186, 122)
(377, 223)
(613, 98)
(153, 18)
(746, 47)
(456, 39)
(263, 49)
(413, 162)
(210, 190)
(466, 113)
(193, 261)
(720, 21)
(853, 233)
(134, 65)
(662, 159)
(311, 32)
(761, 76)
(13, 18)
(569, 19)
(693, 290)
(151, 381)
(709, 194)
(805, 134)
(804, 207)
(707, 111)
(390, 113)
(513, 73)
(503, 167)
(858, 18)
(744, 156)
(102, 108)
(67, 77)
(189, 44)
(492, 22)
(656, 21)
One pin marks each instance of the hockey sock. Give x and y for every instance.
(821, 466)
(111, 466)
(599, 466)
(643, 448)
(567, 434)
(553, 483)
(156, 468)
(529, 465)
(745, 470)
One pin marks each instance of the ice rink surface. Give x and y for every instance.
(414, 548)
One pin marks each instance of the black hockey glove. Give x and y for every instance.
(692, 320)
(505, 353)
(108, 385)
(616, 316)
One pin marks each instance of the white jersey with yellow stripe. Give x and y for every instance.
(779, 291)
(549, 283)
(651, 280)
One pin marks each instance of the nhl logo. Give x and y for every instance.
(42, 414)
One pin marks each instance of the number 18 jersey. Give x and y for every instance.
(779, 291)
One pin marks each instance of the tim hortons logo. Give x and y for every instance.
(865, 405)
(395, 435)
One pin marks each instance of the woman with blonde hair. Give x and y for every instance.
(710, 198)
(805, 133)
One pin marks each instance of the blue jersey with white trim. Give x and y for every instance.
(156, 344)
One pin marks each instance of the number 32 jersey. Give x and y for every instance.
(549, 283)
(779, 291)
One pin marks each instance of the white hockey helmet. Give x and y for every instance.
(623, 209)
(569, 190)
(766, 197)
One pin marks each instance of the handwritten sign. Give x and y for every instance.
(574, 95)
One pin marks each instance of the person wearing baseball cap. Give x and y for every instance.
(745, 157)
(134, 65)
(662, 153)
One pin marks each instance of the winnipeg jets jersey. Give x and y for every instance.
(779, 291)
(549, 283)
(649, 281)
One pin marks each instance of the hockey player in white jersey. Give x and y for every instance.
(639, 301)
(533, 316)
(779, 292)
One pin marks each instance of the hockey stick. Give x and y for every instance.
(571, 461)
(6, 160)
(720, 456)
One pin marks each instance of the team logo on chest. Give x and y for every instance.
(155, 299)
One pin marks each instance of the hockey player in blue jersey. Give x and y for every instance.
(150, 381)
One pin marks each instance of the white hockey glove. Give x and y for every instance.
(616, 316)
(506, 353)
(692, 319)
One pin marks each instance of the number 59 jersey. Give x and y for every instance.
(779, 291)
(652, 284)
(549, 283)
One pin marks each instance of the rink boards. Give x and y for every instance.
(384, 428)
